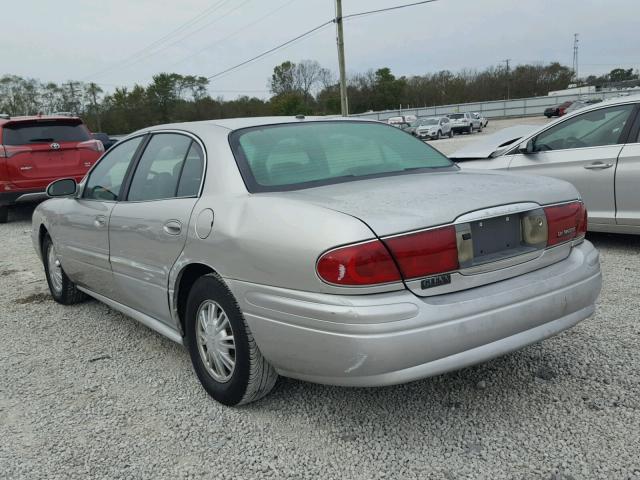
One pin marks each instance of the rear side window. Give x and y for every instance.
(49, 131)
(302, 155)
(192, 171)
(158, 172)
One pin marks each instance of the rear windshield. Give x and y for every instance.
(302, 155)
(454, 116)
(26, 133)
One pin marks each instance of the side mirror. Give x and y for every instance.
(64, 187)
(526, 147)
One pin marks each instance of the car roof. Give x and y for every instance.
(247, 122)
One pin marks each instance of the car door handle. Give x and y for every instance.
(172, 227)
(100, 221)
(598, 166)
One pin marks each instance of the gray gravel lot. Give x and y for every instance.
(86, 392)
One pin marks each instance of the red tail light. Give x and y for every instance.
(367, 263)
(425, 253)
(95, 145)
(565, 222)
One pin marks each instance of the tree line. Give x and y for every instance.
(304, 87)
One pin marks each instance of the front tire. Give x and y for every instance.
(450, 133)
(224, 354)
(439, 135)
(62, 289)
(4, 214)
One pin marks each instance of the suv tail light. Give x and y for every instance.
(95, 145)
(425, 253)
(367, 263)
(565, 222)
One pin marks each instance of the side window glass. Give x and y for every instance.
(105, 181)
(191, 176)
(592, 129)
(158, 171)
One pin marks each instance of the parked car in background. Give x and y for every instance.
(432, 127)
(597, 148)
(463, 122)
(403, 121)
(557, 110)
(482, 119)
(106, 140)
(36, 150)
(335, 251)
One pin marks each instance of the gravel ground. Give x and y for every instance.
(86, 392)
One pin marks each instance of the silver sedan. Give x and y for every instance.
(333, 251)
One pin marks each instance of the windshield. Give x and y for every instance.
(26, 133)
(455, 116)
(302, 155)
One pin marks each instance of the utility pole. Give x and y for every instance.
(575, 55)
(507, 61)
(344, 103)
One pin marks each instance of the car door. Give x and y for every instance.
(81, 229)
(628, 180)
(148, 230)
(583, 150)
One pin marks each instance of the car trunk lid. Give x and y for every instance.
(478, 212)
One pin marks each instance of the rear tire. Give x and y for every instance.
(470, 129)
(450, 133)
(4, 214)
(62, 289)
(224, 354)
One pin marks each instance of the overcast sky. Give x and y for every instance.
(89, 40)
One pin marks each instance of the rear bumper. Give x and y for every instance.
(21, 196)
(390, 338)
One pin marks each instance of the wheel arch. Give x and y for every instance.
(185, 280)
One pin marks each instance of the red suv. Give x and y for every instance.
(34, 151)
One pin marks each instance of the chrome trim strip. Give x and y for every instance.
(496, 212)
(146, 320)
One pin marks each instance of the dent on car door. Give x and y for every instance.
(628, 180)
(81, 230)
(148, 231)
(583, 150)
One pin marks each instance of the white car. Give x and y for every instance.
(432, 127)
(482, 119)
(597, 148)
(464, 122)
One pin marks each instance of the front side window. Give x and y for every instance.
(592, 129)
(303, 155)
(105, 180)
(158, 172)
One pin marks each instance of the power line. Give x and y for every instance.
(271, 50)
(313, 30)
(194, 20)
(388, 9)
(218, 42)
